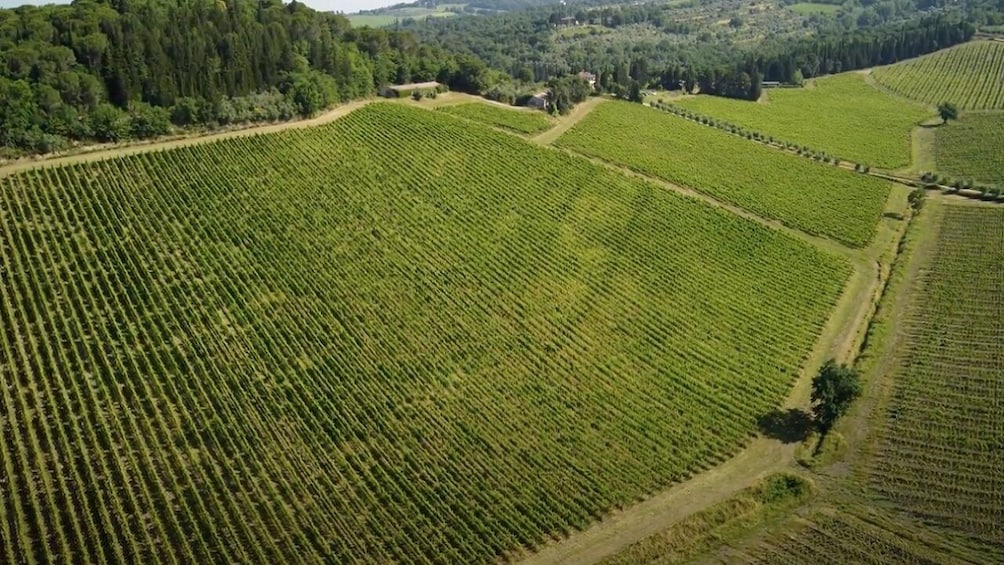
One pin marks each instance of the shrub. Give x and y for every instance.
(108, 123)
(146, 121)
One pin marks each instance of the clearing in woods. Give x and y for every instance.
(399, 336)
(842, 115)
(810, 8)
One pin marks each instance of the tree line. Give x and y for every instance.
(113, 69)
(522, 45)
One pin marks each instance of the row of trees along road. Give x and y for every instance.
(111, 69)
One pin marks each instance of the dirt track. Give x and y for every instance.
(107, 151)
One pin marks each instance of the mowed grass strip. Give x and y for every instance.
(971, 76)
(819, 199)
(972, 147)
(842, 115)
(520, 121)
(941, 450)
(399, 337)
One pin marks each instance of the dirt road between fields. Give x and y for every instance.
(565, 123)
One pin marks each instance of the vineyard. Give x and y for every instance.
(841, 115)
(519, 121)
(942, 450)
(395, 337)
(836, 538)
(970, 76)
(820, 199)
(972, 147)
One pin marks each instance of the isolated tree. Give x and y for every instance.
(634, 92)
(833, 391)
(947, 111)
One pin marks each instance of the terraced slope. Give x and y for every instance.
(842, 115)
(396, 337)
(819, 199)
(969, 75)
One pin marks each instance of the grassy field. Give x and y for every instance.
(972, 147)
(970, 76)
(809, 8)
(701, 532)
(386, 17)
(842, 115)
(820, 199)
(835, 537)
(519, 121)
(373, 20)
(397, 337)
(941, 449)
(581, 31)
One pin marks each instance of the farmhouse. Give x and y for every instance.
(588, 77)
(405, 90)
(538, 100)
(771, 84)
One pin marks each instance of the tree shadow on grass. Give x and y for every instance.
(788, 426)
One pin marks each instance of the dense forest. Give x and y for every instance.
(115, 69)
(523, 45)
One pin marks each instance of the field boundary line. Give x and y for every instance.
(820, 242)
(861, 426)
(845, 164)
(101, 153)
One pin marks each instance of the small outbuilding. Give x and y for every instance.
(538, 100)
